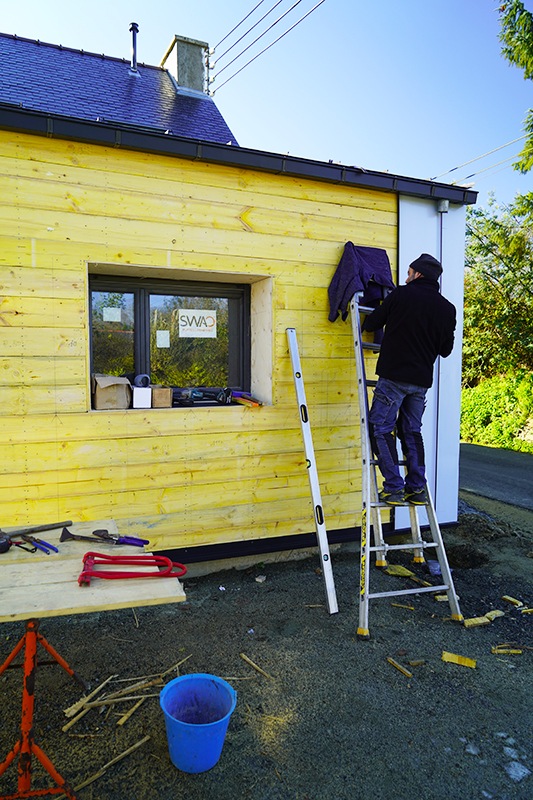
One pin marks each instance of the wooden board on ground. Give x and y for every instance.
(40, 585)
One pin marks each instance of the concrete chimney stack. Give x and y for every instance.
(186, 61)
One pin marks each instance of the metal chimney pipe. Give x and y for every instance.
(134, 29)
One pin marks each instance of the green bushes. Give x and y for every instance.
(496, 411)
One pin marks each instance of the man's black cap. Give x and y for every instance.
(427, 266)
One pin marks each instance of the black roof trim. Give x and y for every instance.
(148, 140)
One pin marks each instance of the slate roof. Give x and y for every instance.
(59, 80)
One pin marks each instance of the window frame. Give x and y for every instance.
(239, 325)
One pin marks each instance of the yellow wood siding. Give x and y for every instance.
(182, 477)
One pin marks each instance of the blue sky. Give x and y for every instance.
(413, 87)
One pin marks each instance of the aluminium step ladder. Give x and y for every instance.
(318, 512)
(370, 507)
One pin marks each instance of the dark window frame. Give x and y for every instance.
(239, 296)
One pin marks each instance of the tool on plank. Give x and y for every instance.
(25, 535)
(38, 544)
(103, 536)
(91, 559)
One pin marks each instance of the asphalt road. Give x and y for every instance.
(504, 475)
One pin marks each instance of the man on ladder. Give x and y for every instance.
(419, 325)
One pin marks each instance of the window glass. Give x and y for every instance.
(112, 322)
(183, 334)
(189, 340)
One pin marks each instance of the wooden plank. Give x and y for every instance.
(37, 585)
(174, 497)
(27, 371)
(87, 192)
(197, 467)
(159, 423)
(316, 346)
(66, 597)
(43, 312)
(169, 449)
(190, 528)
(321, 394)
(42, 283)
(39, 342)
(21, 176)
(90, 157)
(229, 212)
(186, 494)
(67, 550)
(218, 526)
(57, 257)
(42, 400)
(85, 228)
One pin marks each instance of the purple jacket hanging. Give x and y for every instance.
(361, 269)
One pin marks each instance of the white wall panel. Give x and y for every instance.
(423, 229)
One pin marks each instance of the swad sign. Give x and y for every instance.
(198, 324)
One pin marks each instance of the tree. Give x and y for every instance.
(516, 36)
(498, 324)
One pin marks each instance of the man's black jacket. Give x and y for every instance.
(419, 326)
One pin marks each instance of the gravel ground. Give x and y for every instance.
(335, 721)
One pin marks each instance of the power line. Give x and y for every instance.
(497, 164)
(269, 46)
(494, 173)
(238, 25)
(249, 30)
(460, 166)
(256, 40)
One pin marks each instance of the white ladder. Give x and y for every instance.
(370, 507)
(318, 511)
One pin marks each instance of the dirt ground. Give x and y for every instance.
(335, 721)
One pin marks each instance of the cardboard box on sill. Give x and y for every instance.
(110, 392)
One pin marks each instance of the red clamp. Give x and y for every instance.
(90, 559)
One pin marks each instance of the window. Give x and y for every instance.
(182, 334)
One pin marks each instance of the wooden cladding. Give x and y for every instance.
(185, 476)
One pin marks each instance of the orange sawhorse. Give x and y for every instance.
(26, 746)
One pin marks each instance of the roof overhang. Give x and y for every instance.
(147, 140)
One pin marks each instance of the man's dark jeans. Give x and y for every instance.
(399, 405)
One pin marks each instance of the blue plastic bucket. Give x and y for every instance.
(197, 709)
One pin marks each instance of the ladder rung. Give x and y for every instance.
(400, 463)
(412, 545)
(443, 587)
(386, 505)
(370, 346)
(365, 309)
(371, 383)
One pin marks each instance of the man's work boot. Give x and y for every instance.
(392, 498)
(416, 497)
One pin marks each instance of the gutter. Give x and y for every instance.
(150, 140)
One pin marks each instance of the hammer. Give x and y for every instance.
(5, 537)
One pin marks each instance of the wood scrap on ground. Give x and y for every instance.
(104, 769)
(129, 713)
(70, 712)
(113, 700)
(251, 663)
(399, 666)
(513, 601)
(501, 649)
(176, 666)
(462, 660)
(82, 706)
